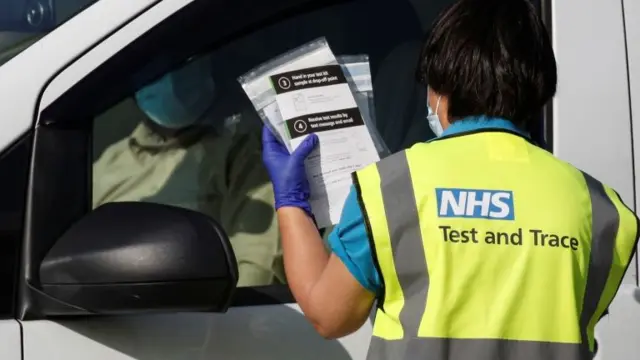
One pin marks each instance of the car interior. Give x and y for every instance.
(354, 29)
(388, 31)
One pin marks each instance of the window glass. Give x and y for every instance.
(191, 137)
(23, 22)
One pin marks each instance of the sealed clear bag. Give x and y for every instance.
(309, 90)
(358, 72)
(259, 89)
(257, 84)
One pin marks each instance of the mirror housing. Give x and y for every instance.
(135, 257)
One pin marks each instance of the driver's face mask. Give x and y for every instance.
(180, 98)
(433, 119)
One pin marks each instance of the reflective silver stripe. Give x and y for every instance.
(470, 349)
(406, 240)
(604, 228)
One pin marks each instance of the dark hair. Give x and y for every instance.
(490, 57)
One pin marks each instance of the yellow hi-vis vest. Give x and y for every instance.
(491, 248)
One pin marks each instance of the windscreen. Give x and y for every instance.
(23, 22)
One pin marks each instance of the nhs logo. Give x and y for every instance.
(470, 203)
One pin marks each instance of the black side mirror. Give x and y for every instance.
(126, 258)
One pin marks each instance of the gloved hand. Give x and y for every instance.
(287, 172)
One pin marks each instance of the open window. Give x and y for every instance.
(108, 140)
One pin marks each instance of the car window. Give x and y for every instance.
(147, 148)
(23, 22)
(185, 134)
(190, 137)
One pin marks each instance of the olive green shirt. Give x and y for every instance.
(219, 175)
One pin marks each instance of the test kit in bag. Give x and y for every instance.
(307, 91)
(256, 83)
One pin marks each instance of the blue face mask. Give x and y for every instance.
(433, 119)
(180, 98)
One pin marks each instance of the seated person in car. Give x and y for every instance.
(181, 155)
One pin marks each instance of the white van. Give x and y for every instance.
(150, 282)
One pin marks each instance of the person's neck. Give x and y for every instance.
(471, 123)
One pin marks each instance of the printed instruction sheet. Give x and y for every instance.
(258, 87)
(319, 100)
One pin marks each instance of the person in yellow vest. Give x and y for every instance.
(477, 244)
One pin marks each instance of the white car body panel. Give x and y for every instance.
(10, 340)
(592, 127)
(35, 66)
(266, 332)
(632, 14)
(592, 130)
(106, 49)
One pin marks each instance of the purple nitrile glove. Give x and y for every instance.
(287, 172)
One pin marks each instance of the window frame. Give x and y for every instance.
(64, 114)
(18, 155)
(73, 111)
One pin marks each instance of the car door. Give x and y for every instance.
(91, 101)
(90, 108)
(94, 97)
